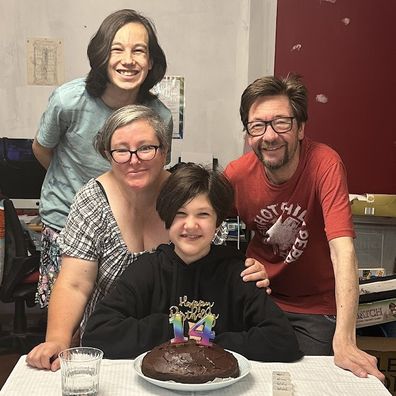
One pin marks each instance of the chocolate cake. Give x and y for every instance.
(189, 363)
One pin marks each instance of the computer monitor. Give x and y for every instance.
(21, 175)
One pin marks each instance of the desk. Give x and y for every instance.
(312, 376)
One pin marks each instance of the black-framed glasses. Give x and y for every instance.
(143, 153)
(279, 125)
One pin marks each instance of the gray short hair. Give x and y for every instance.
(125, 116)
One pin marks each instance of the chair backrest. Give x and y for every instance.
(15, 244)
(18, 261)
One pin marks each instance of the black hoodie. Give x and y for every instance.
(134, 316)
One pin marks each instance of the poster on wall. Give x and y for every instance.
(45, 61)
(171, 92)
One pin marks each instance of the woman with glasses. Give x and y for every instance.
(112, 221)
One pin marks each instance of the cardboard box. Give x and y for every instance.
(369, 273)
(377, 285)
(384, 349)
(373, 204)
(376, 312)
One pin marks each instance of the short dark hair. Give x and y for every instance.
(99, 53)
(186, 182)
(291, 86)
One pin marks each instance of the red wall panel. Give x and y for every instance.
(346, 51)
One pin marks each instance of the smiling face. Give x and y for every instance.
(279, 153)
(129, 61)
(193, 229)
(137, 174)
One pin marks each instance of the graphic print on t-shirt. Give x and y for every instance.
(282, 226)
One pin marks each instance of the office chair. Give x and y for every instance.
(19, 283)
(21, 175)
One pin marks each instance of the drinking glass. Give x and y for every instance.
(80, 371)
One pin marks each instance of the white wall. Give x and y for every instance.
(219, 46)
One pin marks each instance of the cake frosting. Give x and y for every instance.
(189, 363)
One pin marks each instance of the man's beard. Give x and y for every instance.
(271, 165)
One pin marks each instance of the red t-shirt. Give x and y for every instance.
(293, 223)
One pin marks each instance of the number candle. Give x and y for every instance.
(178, 330)
(206, 333)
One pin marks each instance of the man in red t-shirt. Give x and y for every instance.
(292, 193)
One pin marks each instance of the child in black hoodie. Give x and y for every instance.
(193, 277)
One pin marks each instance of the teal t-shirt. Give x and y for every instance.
(69, 126)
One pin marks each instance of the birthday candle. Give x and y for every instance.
(178, 330)
(206, 333)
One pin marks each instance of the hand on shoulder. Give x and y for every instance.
(255, 271)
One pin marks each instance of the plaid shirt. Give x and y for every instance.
(91, 233)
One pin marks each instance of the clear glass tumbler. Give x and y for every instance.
(80, 371)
